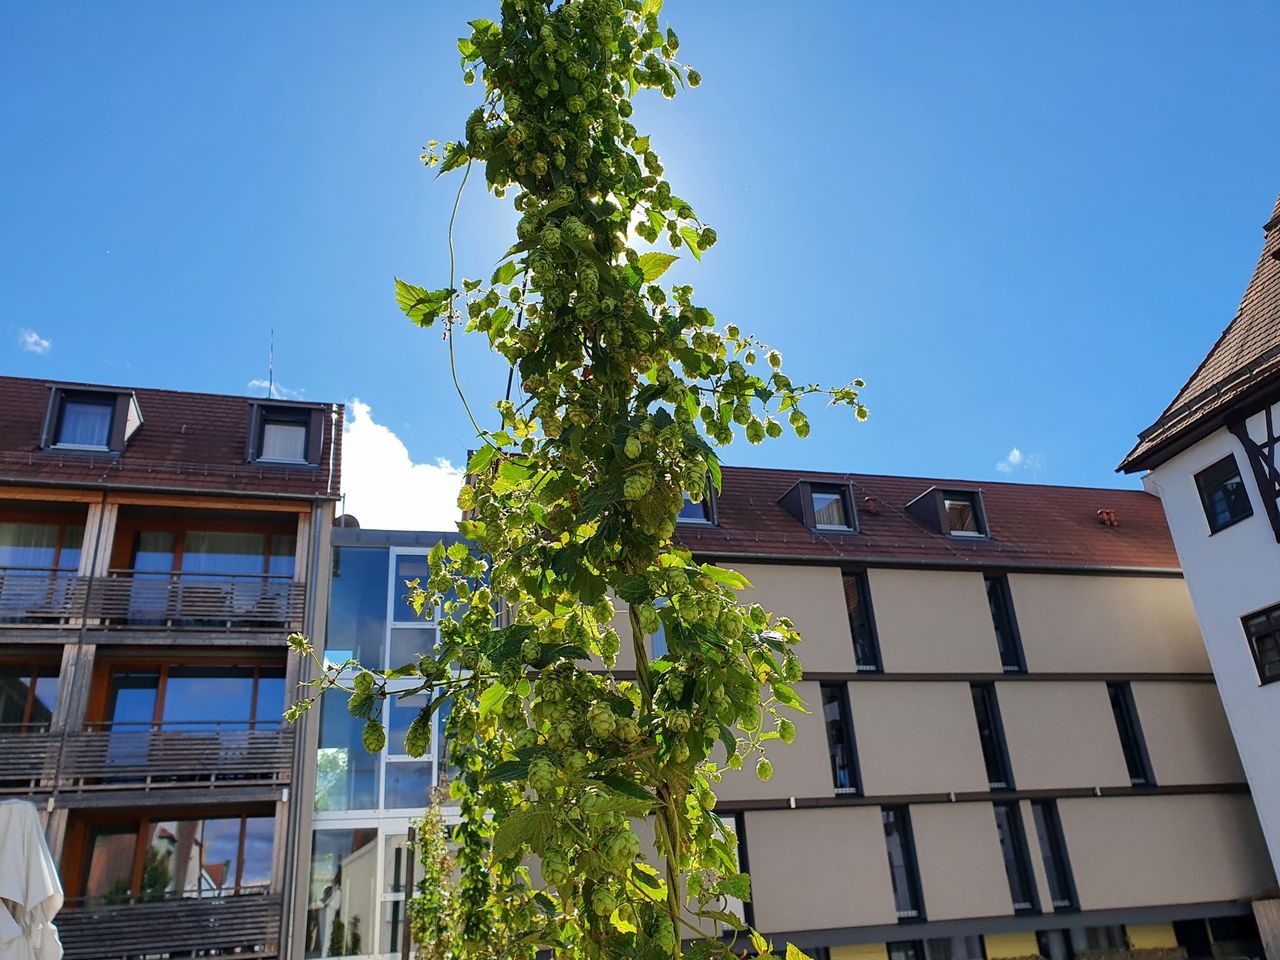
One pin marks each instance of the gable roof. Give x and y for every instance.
(1031, 526)
(1245, 359)
(188, 442)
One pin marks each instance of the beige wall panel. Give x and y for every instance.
(1078, 623)
(1061, 734)
(961, 869)
(916, 738)
(933, 621)
(813, 597)
(1187, 735)
(800, 769)
(819, 869)
(1142, 851)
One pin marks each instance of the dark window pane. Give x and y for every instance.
(699, 512)
(43, 702)
(284, 548)
(840, 742)
(207, 698)
(269, 708)
(857, 598)
(408, 785)
(1000, 600)
(1223, 494)
(1055, 945)
(962, 516)
(259, 836)
(1099, 938)
(991, 734)
(108, 873)
(221, 551)
(15, 693)
(131, 698)
(1126, 716)
(1263, 632)
(72, 544)
(284, 440)
(902, 863)
(409, 567)
(828, 509)
(358, 605)
(85, 422)
(1017, 865)
(1054, 853)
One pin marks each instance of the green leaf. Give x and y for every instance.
(693, 241)
(634, 589)
(730, 578)
(360, 705)
(374, 737)
(788, 697)
(551, 652)
(505, 273)
(508, 770)
(526, 826)
(492, 698)
(651, 7)
(730, 742)
(654, 265)
(640, 144)
(420, 305)
(455, 156)
(737, 885)
(503, 645)
(628, 788)
(795, 953)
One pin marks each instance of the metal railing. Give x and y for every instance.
(146, 756)
(145, 599)
(246, 925)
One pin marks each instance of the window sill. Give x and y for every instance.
(966, 535)
(80, 448)
(285, 463)
(820, 528)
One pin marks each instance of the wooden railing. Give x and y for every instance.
(146, 756)
(247, 926)
(141, 599)
(40, 595)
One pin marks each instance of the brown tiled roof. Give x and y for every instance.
(1246, 358)
(1030, 525)
(188, 442)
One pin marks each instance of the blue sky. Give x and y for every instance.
(1023, 224)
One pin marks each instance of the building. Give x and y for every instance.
(353, 851)
(1014, 744)
(1211, 457)
(156, 547)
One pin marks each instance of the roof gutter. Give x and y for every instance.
(155, 488)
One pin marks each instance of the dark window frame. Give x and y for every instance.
(1218, 474)
(866, 652)
(1053, 850)
(1129, 728)
(901, 815)
(997, 755)
(1017, 859)
(845, 720)
(845, 495)
(1268, 667)
(269, 411)
(708, 504)
(1008, 638)
(974, 499)
(31, 671)
(122, 404)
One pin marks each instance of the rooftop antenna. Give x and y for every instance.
(271, 364)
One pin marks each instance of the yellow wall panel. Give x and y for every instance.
(860, 951)
(1011, 945)
(1146, 936)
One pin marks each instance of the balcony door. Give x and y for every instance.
(39, 557)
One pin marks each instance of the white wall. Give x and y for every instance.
(1234, 572)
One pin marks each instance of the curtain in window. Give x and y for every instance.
(284, 441)
(85, 424)
(27, 544)
(220, 551)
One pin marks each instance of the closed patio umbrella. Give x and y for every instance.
(30, 891)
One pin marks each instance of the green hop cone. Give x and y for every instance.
(680, 752)
(603, 902)
(576, 104)
(678, 721)
(694, 78)
(542, 775)
(627, 730)
(764, 769)
(601, 720)
(675, 686)
(551, 237)
(650, 622)
(707, 238)
(755, 431)
(374, 737)
(730, 625)
(664, 935)
(773, 428)
(555, 868)
(633, 447)
(417, 740)
(530, 651)
(636, 486)
(786, 731)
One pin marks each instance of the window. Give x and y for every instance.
(1053, 850)
(194, 697)
(905, 950)
(84, 421)
(701, 511)
(840, 743)
(964, 515)
(1017, 861)
(862, 624)
(831, 508)
(1008, 640)
(28, 696)
(1263, 632)
(1099, 938)
(284, 438)
(903, 872)
(1130, 730)
(1223, 494)
(955, 948)
(994, 753)
(1055, 945)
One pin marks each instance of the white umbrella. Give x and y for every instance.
(30, 891)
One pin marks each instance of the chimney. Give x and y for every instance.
(1108, 518)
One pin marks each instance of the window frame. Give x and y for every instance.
(1129, 729)
(310, 418)
(840, 491)
(708, 505)
(31, 671)
(1012, 645)
(1272, 614)
(911, 865)
(1202, 477)
(844, 707)
(862, 584)
(126, 417)
(1017, 858)
(974, 499)
(991, 703)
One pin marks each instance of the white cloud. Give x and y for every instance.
(385, 488)
(1017, 460)
(277, 391)
(32, 342)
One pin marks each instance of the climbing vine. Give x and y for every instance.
(586, 782)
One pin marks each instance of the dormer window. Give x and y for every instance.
(964, 515)
(283, 439)
(97, 420)
(703, 511)
(830, 508)
(285, 433)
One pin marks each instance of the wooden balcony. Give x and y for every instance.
(247, 925)
(147, 757)
(145, 602)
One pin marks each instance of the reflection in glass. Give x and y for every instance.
(408, 784)
(400, 712)
(269, 708)
(221, 551)
(342, 893)
(410, 643)
(209, 698)
(346, 773)
(28, 696)
(284, 549)
(259, 838)
(358, 606)
(110, 863)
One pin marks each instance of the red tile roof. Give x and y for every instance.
(1030, 525)
(1245, 359)
(188, 442)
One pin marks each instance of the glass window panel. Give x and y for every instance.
(399, 714)
(15, 689)
(1013, 848)
(408, 567)
(217, 846)
(259, 839)
(281, 560)
(1053, 852)
(410, 643)
(85, 423)
(393, 921)
(839, 723)
(1223, 494)
(1126, 717)
(153, 551)
(1054, 944)
(395, 860)
(222, 551)
(857, 597)
(131, 698)
(208, 698)
(72, 544)
(991, 737)
(962, 516)
(108, 874)
(955, 948)
(171, 862)
(28, 544)
(691, 512)
(358, 605)
(284, 440)
(1000, 600)
(828, 509)
(342, 893)
(905, 950)
(346, 773)
(44, 702)
(408, 785)
(902, 865)
(269, 708)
